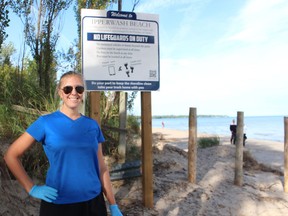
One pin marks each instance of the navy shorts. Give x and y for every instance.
(93, 207)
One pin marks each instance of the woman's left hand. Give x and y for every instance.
(115, 211)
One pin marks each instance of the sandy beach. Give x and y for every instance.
(264, 151)
(213, 194)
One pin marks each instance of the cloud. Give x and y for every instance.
(154, 6)
(176, 19)
(243, 80)
(241, 68)
(259, 21)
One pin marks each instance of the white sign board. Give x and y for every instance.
(120, 50)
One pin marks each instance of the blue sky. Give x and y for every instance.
(219, 56)
(222, 56)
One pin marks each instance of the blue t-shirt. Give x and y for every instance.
(71, 147)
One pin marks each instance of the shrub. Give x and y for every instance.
(205, 142)
(133, 124)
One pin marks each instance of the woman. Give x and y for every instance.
(77, 175)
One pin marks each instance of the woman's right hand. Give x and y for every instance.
(44, 192)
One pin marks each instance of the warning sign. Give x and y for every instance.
(120, 50)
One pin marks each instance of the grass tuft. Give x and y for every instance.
(205, 142)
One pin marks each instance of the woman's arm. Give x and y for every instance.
(12, 159)
(105, 177)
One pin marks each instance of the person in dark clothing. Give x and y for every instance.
(244, 135)
(233, 128)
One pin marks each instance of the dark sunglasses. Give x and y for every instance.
(69, 89)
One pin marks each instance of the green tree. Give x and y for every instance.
(4, 20)
(41, 34)
(5, 54)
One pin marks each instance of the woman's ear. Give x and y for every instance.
(59, 93)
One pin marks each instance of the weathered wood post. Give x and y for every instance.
(95, 106)
(285, 154)
(147, 155)
(238, 180)
(122, 125)
(192, 145)
(122, 114)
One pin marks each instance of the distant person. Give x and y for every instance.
(163, 125)
(233, 128)
(244, 135)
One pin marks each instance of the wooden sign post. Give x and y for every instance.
(95, 106)
(147, 159)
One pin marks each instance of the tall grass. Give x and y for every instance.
(21, 90)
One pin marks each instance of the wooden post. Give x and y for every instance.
(192, 146)
(147, 160)
(238, 180)
(122, 124)
(95, 106)
(122, 114)
(285, 154)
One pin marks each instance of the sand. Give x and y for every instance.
(214, 193)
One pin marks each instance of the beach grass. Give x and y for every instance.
(205, 142)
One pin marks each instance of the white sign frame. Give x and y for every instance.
(120, 50)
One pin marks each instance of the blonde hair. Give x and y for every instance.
(67, 74)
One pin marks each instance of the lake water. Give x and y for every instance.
(258, 127)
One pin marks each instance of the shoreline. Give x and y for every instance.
(267, 152)
(212, 134)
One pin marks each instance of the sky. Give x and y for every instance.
(218, 56)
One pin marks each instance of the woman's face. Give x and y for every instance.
(71, 99)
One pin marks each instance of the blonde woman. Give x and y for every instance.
(77, 174)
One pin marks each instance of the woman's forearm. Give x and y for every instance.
(12, 159)
(18, 171)
(107, 187)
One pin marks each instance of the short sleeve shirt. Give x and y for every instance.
(71, 148)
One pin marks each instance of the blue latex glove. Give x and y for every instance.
(43, 192)
(115, 211)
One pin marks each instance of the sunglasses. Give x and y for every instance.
(69, 89)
